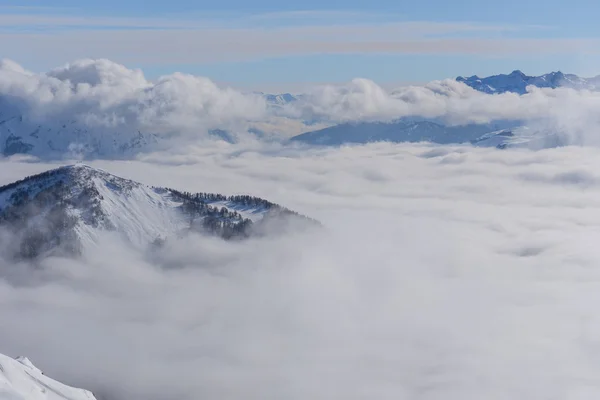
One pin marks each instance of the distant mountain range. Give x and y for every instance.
(401, 131)
(64, 210)
(70, 138)
(501, 135)
(517, 82)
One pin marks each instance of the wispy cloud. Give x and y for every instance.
(315, 20)
(52, 22)
(56, 37)
(196, 46)
(4, 8)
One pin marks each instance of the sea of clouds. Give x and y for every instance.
(103, 94)
(443, 272)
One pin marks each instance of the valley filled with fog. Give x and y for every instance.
(441, 272)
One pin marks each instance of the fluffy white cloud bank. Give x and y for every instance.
(103, 93)
(362, 99)
(107, 97)
(444, 273)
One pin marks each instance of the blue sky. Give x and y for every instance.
(283, 45)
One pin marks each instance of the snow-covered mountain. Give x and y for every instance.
(66, 209)
(21, 380)
(517, 82)
(399, 131)
(20, 134)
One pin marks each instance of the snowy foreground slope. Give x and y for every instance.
(21, 380)
(65, 209)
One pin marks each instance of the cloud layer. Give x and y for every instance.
(110, 98)
(444, 273)
(101, 92)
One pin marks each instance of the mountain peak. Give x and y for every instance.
(79, 174)
(65, 209)
(77, 165)
(82, 167)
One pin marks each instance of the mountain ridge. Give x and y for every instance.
(398, 132)
(64, 210)
(517, 82)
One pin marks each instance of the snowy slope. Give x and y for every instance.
(67, 209)
(94, 199)
(517, 82)
(21, 380)
(135, 210)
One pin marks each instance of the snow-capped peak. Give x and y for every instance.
(517, 73)
(21, 380)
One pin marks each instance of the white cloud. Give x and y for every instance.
(99, 72)
(104, 93)
(112, 99)
(444, 272)
(570, 113)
